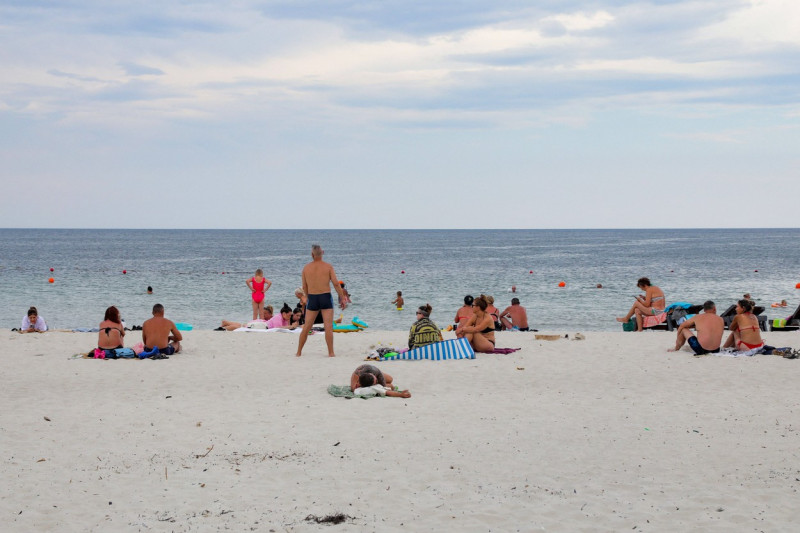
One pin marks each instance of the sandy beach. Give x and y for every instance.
(609, 433)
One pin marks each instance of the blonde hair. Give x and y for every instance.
(299, 292)
(259, 272)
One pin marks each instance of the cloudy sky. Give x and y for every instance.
(400, 114)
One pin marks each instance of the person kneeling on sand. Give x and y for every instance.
(368, 376)
(159, 332)
(709, 331)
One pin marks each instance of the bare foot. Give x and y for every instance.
(622, 319)
(331, 355)
(297, 355)
(672, 349)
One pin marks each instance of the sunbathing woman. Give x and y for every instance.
(111, 330)
(652, 303)
(745, 333)
(368, 376)
(479, 329)
(464, 312)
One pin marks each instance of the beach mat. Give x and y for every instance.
(438, 351)
(343, 391)
(505, 350)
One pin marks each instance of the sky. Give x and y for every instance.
(399, 114)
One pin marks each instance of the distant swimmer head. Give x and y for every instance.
(599, 285)
(149, 289)
(468, 299)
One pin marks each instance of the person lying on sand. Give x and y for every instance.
(369, 376)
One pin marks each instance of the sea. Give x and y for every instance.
(199, 275)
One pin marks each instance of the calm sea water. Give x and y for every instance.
(199, 275)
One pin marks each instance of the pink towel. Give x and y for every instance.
(506, 350)
(653, 320)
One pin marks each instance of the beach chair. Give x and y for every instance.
(439, 351)
(792, 322)
(729, 313)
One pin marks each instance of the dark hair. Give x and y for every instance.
(399, 293)
(747, 305)
(298, 309)
(158, 309)
(286, 308)
(425, 310)
(112, 314)
(481, 302)
(367, 380)
(33, 311)
(468, 300)
(708, 305)
(643, 282)
(149, 288)
(514, 301)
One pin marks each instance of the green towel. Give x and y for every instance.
(343, 391)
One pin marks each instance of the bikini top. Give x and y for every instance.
(487, 330)
(108, 330)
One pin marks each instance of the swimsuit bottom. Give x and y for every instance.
(169, 350)
(524, 329)
(318, 302)
(258, 297)
(699, 350)
(750, 346)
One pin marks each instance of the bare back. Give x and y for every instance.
(747, 324)
(709, 328)
(157, 330)
(318, 276)
(519, 317)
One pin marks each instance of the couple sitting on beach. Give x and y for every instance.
(745, 333)
(159, 335)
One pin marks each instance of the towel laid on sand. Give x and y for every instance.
(506, 350)
(343, 391)
(653, 320)
(273, 330)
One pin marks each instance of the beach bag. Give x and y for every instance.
(122, 353)
(630, 325)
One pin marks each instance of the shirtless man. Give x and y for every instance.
(709, 331)
(159, 332)
(517, 314)
(317, 278)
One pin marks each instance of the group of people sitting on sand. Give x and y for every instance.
(512, 318)
(745, 333)
(160, 335)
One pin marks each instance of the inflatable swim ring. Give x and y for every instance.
(182, 326)
(359, 323)
(345, 328)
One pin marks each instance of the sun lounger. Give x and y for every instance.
(792, 322)
(729, 313)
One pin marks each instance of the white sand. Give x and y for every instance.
(607, 434)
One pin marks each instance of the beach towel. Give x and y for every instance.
(273, 330)
(439, 351)
(343, 391)
(653, 320)
(506, 350)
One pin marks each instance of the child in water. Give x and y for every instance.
(258, 285)
(399, 301)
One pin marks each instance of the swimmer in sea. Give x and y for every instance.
(398, 302)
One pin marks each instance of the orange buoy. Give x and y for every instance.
(562, 284)
(797, 286)
(51, 280)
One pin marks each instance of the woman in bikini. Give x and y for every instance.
(111, 330)
(479, 329)
(745, 333)
(464, 313)
(652, 303)
(258, 285)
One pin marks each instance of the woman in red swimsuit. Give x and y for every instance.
(745, 333)
(258, 285)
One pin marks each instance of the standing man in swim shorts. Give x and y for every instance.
(317, 279)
